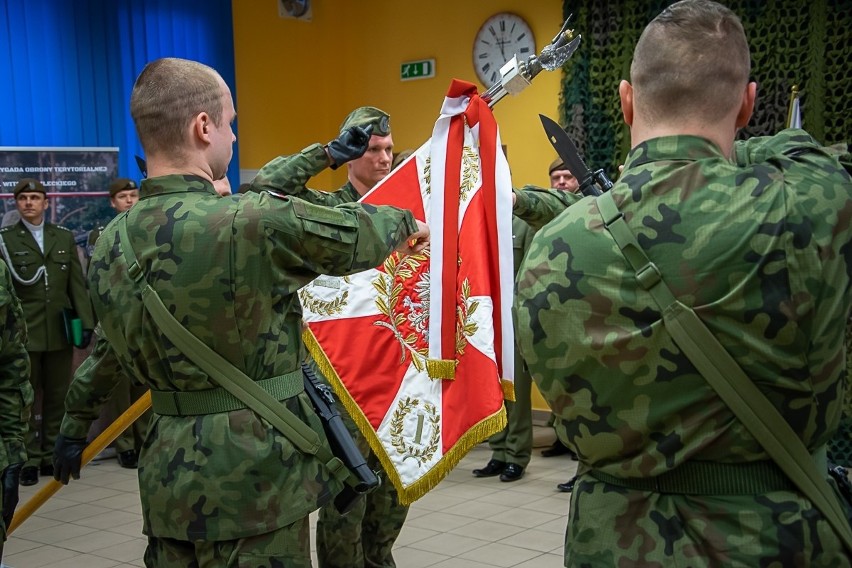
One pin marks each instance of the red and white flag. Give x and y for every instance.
(420, 349)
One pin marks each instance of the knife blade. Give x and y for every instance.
(567, 150)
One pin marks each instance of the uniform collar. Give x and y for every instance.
(175, 183)
(669, 148)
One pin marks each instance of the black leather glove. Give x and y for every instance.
(349, 146)
(86, 338)
(67, 457)
(11, 477)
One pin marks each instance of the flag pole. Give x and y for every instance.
(792, 108)
(93, 449)
(516, 75)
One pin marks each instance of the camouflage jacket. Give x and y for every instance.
(228, 269)
(16, 394)
(760, 248)
(288, 175)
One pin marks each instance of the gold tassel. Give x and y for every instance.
(508, 390)
(441, 368)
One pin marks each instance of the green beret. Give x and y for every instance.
(557, 164)
(29, 184)
(363, 116)
(120, 184)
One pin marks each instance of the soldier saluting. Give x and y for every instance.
(219, 485)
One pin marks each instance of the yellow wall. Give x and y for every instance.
(297, 80)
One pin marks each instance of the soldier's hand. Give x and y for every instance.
(416, 241)
(349, 146)
(11, 478)
(67, 458)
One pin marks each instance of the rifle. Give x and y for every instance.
(341, 442)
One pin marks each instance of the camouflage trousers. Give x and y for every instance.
(364, 537)
(287, 547)
(615, 526)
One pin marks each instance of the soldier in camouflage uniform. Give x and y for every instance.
(218, 487)
(365, 536)
(123, 194)
(16, 397)
(754, 236)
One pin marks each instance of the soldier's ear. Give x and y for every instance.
(625, 93)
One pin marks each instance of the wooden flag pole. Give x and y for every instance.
(93, 449)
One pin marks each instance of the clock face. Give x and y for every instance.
(500, 38)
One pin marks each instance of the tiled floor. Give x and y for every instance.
(464, 522)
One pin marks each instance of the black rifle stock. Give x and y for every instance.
(341, 442)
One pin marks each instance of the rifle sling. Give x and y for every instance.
(725, 375)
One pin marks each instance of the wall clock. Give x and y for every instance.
(501, 36)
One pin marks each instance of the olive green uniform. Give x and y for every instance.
(365, 536)
(43, 302)
(513, 444)
(224, 487)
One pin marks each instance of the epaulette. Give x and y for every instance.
(61, 227)
(7, 228)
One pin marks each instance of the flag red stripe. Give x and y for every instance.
(449, 280)
(488, 157)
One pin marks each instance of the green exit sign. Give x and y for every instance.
(423, 69)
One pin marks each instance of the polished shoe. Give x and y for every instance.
(494, 467)
(128, 459)
(29, 475)
(46, 470)
(557, 449)
(568, 486)
(512, 472)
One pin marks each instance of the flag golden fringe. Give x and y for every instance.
(479, 432)
(441, 368)
(508, 390)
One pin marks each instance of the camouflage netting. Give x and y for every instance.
(808, 44)
(840, 447)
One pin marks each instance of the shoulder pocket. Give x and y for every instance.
(326, 222)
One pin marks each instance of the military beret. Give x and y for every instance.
(557, 164)
(29, 184)
(363, 116)
(120, 184)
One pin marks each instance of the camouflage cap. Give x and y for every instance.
(120, 184)
(29, 184)
(557, 164)
(363, 116)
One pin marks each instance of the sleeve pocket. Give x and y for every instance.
(326, 222)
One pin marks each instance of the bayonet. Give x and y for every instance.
(591, 183)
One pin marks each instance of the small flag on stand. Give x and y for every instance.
(794, 114)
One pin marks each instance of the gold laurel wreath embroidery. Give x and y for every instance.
(427, 175)
(323, 307)
(397, 424)
(387, 301)
(464, 327)
(470, 172)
